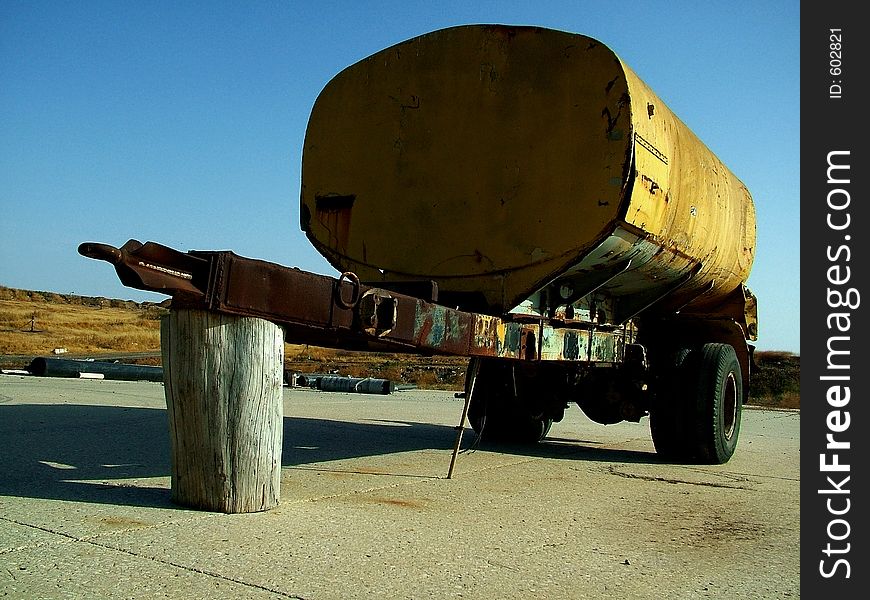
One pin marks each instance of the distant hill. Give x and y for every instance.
(776, 380)
(7, 293)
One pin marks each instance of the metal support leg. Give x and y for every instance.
(472, 372)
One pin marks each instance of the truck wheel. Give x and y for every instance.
(696, 412)
(497, 411)
(669, 412)
(718, 387)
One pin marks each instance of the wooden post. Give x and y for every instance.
(223, 378)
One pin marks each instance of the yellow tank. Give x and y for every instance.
(502, 162)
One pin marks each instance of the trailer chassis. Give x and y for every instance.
(346, 313)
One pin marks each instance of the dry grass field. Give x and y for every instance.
(36, 323)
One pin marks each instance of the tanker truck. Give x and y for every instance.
(517, 196)
(532, 176)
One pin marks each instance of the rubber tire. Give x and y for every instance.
(696, 413)
(495, 413)
(670, 411)
(718, 393)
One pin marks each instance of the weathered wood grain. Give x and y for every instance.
(223, 379)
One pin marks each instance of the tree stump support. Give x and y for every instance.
(223, 378)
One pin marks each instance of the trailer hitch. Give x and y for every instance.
(152, 267)
(312, 308)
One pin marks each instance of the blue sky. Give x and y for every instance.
(183, 122)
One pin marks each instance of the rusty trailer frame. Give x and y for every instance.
(346, 313)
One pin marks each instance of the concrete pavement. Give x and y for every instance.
(367, 512)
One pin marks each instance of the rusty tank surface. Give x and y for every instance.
(523, 168)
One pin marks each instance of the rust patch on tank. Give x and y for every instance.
(333, 212)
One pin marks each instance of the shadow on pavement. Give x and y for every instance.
(98, 454)
(82, 453)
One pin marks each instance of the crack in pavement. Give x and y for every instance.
(612, 470)
(93, 541)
